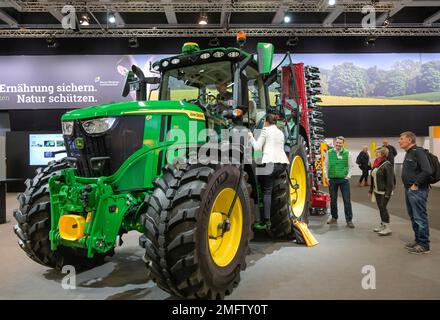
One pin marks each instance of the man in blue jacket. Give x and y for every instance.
(415, 177)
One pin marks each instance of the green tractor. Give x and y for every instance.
(126, 170)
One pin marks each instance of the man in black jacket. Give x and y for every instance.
(415, 176)
(392, 152)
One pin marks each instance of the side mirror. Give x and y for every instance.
(129, 79)
(265, 52)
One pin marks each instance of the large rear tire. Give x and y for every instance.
(300, 182)
(34, 223)
(290, 200)
(186, 251)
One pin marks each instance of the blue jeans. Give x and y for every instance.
(416, 202)
(344, 185)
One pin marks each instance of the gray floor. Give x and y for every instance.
(276, 270)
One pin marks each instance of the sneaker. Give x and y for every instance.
(260, 226)
(410, 245)
(379, 228)
(418, 249)
(332, 221)
(350, 225)
(386, 231)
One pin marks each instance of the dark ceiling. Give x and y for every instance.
(414, 25)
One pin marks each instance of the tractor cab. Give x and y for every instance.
(226, 83)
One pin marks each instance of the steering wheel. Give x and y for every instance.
(210, 100)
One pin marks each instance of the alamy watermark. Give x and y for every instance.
(369, 279)
(69, 281)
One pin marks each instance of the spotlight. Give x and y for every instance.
(52, 42)
(331, 2)
(203, 19)
(292, 42)
(111, 18)
(84, 20)
(214, 42)
(387, 21)
(287, 18)
(133, 42)
(370, 41)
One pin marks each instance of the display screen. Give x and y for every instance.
(42, 148)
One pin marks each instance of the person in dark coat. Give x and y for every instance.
(363, 160)
(382, 186)
(416, 171)
(392, 152)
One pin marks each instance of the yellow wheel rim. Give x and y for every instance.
(298, 186)
(223, 241)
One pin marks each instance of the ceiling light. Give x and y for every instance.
(111, 18)
(214, 42)
(84, 20)
(387, 21)
(133, 42)
(331, 2)
(52, 42)
(287, 19)
(203, 19)
(292, 42)
(370, 41)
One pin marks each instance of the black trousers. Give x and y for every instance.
(365, 174)
(267, 182)
(382, 203)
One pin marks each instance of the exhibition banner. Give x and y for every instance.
(48, 82)
(29, 82)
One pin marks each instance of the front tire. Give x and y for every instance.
(188, 254)
(34, 223)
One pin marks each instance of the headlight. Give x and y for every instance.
(233, 54)
(67, 127)
(205, 56)
(99, 125)
(218, 54)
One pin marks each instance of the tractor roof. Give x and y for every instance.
(194, 55)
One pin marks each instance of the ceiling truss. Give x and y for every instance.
(197, 5)
(223, 28)
(252, 32)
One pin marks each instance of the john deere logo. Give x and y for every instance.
(79, 143)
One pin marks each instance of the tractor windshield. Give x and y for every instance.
(201, 84)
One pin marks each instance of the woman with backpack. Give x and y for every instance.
(382, 186)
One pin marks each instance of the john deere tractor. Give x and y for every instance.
(127, 170)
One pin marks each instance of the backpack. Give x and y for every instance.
(435, 167)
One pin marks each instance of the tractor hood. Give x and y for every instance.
(135, 108)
